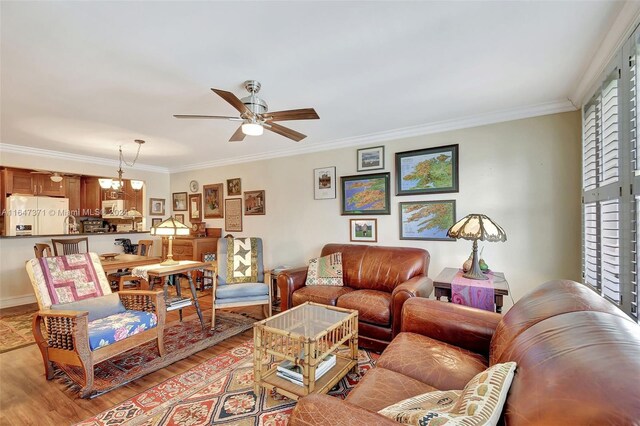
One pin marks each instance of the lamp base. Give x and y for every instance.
(475, 273)
(479, 276)
(170, 262)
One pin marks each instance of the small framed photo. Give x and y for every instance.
(179, 217)
(233, 214)
(234, 187)
(155, 222)
(156, 206)
(365, 230)
(324, 183)
(213, 195)
(179, 201)
(254, 203)
(427, 171)
(371, 158)
(427, 220)
(365, 194)
(195, 207)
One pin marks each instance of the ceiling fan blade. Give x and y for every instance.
(238, 136)
(292, 114)
(285, 131)
(222, 117)
(233, 100)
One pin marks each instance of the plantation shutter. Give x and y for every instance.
(634, 97)
(610, 249)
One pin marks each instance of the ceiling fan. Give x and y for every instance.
(254, 115)
(54, 176)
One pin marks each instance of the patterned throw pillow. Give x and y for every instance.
(479, 403)
(325, 270)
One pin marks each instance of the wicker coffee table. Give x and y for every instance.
(305, 335)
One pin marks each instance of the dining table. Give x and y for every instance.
(123, 261)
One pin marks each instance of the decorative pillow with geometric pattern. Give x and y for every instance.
(325, 270)
(479, 403)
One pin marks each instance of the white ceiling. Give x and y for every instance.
(85, 77)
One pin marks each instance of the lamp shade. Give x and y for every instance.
(105, 183)
(137, 184)
(477, 227)
(169, 228)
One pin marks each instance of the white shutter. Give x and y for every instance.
(590, 244)
(635, 260)
(609, 165)
(589, 148)
(610, 249)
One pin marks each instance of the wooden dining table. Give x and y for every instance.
(123, 261)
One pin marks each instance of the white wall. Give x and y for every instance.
(524, 174)
(15, 288)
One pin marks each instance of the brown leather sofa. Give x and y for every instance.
(577, 355)
(377, 282)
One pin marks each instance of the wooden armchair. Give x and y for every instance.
(81, 322)
(64, 246)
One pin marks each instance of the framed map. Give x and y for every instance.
(427, 171)
(427, 220)
(365, 194)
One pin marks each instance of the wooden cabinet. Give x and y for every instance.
(72, 192)
(45, 186)
(132, 198)
(90, 197)
(18, 182)
(190, 248)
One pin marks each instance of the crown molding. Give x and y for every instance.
(616, 36)
(406, 132)
(46, 153)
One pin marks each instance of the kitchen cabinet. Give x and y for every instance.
(132, 198)
(90, 197)
(26, 183)
(72, 192)
(43, 185)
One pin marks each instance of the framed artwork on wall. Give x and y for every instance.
(427, 171)
(179, 201)
(427, 220)
(156, 221)
(365, 194)
(371, 158)
(213, 195)
(233, 214)
(324, 183)
(254, 203)
(156, 206)
(195, 207)
(365, 230)
(179, 217)
(234, 187)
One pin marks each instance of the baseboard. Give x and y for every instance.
(9, 302)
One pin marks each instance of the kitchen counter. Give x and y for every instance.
(89, 234)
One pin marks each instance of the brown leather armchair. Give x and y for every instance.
(377, 282)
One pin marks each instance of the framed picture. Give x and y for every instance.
(371, 158)
(254, 203)
(365, 194)
(179, 201)
(324, 183)
(198, 229)
(427, 220)
(195, 207)
(365, 230)
(427, 171)
(233, 214)
(234, 187)
(156, 206)
(213, 195)
(156, 221)
(179, 217)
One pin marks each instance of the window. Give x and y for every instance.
(611, 182)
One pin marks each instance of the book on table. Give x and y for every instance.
(292, 372)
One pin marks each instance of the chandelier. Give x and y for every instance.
(118, 184)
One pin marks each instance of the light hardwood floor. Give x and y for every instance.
(27, 398)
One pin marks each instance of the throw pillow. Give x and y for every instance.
(242, 260)
(98, 307)
(325, 270)
(479, 403)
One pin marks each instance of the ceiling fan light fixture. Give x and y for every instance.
(252, 129)
(56, 178)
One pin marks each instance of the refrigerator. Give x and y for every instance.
(29, 215)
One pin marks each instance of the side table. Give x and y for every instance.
(442, 286)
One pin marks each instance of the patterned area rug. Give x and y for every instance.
(181, 339)
(15, 331)
(218, 391)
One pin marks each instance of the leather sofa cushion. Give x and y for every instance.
(373, 306)
(381, 387)
(441, 365)
(324, 294)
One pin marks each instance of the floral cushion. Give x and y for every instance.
(325, 270)
(108, 330)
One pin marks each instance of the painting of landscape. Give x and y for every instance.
(433, 170)
(427, 220)
(365, 194)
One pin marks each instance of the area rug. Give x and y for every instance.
(15, 331)
(181, 339)
(218, 391)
